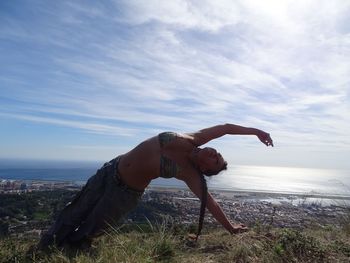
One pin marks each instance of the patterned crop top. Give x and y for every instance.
(168, 168)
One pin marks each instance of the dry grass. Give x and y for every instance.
(168, 243)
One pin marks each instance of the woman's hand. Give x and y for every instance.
(239, 228)
(264, 137)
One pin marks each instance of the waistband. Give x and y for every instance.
(120, 182)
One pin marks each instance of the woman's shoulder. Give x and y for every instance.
(174, 139)
(188, 173)
(166, 137)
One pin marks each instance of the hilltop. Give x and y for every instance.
(159, 231)
(170, 243)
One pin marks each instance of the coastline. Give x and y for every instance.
(251, 208)
(273, 197)
(244, 194)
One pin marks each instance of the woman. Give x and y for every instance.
(117, 187)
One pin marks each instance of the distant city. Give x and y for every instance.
(25, 186)
(183, 206)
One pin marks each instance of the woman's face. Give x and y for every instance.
(210, 160)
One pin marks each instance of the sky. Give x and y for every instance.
(89, 80)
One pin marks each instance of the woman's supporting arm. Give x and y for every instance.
(193, 182)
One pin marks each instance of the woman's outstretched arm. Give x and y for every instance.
(205, 135)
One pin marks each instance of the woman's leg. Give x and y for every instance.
(115, 203)
(76, 211)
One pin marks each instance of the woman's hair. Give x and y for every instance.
(203, 204)
(204, 195)
(211, 173)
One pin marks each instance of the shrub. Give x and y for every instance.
(293, 245)
(341, 247)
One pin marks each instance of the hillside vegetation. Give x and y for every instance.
(23, 216)
(167, 242)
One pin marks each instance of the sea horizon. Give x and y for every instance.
(238, 178)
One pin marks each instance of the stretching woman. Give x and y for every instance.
(117, 187)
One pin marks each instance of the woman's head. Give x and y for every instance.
(210, 162)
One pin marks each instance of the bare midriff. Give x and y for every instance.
(139, 166)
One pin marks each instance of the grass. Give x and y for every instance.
(40, 215)
(166, 242)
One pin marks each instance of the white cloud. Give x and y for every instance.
(90, 127)
(279, 65)
(207, 15)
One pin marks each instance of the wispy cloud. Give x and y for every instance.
(113, 67)
(90, 127)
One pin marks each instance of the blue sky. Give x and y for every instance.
(87, 80)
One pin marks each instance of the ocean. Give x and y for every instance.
(266, 179)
